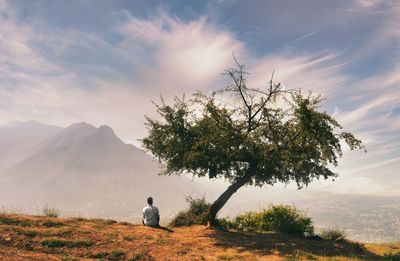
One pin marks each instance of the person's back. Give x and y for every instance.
(151, 216)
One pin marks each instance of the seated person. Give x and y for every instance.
(151, 216)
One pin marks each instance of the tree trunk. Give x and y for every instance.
(220, 202)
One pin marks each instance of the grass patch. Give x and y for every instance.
(16, 221)
(51, 223)
(139, 256)
(130, 238)
(300, 255)
(391, 256)
(27, 233)
(63, 233)
(51, 212)
(57, 243)
(230, 257)
(183, 251)
(77, 219)
(117, 254)
(333, 233)
(102, 255)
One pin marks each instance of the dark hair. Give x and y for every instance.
(150, 200)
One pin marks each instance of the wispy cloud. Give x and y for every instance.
(62, 75)
(306, 35)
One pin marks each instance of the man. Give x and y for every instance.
(151, 216)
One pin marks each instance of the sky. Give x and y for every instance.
(103, 62)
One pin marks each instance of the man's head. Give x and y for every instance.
(150, 200)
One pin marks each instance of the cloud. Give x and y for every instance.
(186, 55)
(318, 73)
(61, 76)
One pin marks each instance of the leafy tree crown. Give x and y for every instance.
(277, 135)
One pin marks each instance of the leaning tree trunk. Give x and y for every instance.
(220, 202)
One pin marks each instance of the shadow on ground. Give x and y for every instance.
(284, 245)
(165, 229)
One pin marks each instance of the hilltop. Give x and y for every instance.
(42, 238)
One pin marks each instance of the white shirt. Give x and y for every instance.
(150, 215)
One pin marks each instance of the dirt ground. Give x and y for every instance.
(42, 238)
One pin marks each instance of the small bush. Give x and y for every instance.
(51, 212)
(279, 218)
(195, 214)
(333, 233)
(288, 220)
(248, 221)
(391, 256)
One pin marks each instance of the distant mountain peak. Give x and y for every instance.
(105, 128)
(80, 125)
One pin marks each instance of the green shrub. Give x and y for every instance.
(279, 218)
(391, 256)
(195, 214)
(333, 233)
(248, 221)
(51, 212)
(288, 220)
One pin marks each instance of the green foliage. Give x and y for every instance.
(25, 232)
(50, 223)
(333, 233)
(279, 218)
(288, 219)
(207, 137)
(51, 212)
(117, 254)
(391, 256)
(16, 221)
(195, 214)
(56, 243)
(250, 221)
(139, 255)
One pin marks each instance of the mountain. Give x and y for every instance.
(20, 139)
(89, 171)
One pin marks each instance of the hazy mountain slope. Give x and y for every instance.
(20, 139)
(90, 171)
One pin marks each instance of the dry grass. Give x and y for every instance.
(43, 238)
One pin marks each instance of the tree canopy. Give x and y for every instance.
(249, 136)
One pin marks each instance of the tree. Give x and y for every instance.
(249, 136)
